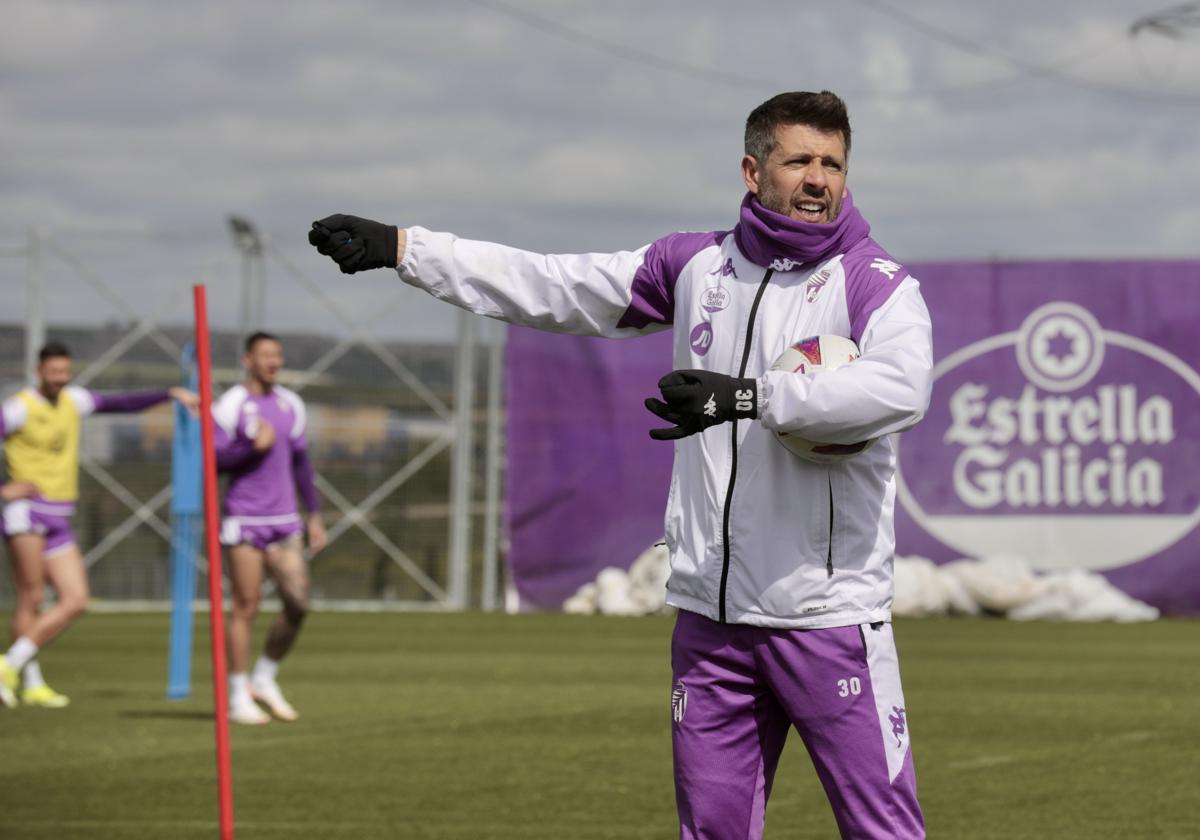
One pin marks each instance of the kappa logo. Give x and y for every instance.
(710, 407)
(784, 264)
(678, 701)
(815, 284)
(886, 267)
(899, 725)
(726, 270)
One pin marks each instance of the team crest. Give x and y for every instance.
(678, 701)
(815, 284)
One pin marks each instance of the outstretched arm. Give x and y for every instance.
(131, 401)
(621, 294)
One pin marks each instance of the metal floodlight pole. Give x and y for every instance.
(248, 242)
(492, 468)
(458, 573)
(35, 319)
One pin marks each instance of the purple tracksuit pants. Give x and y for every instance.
(736, 691)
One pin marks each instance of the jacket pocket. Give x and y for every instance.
(829, 534)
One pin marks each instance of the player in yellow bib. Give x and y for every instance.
(40, 430)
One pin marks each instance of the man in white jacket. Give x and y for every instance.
(781, 568)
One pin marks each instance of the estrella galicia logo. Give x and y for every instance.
(701, 338)
(899, 724)
(1064, 443)
(714, 299)
(678, 702)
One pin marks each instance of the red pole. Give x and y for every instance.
(212, 546)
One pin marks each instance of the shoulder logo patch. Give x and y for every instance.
(885, 267)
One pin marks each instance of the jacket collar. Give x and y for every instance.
(772, 240)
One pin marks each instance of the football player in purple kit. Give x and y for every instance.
(261, 441)
(40, 428)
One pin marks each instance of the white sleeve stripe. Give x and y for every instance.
(85, 403)
(227, 409)
(15, 414)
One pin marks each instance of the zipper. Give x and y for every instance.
(762, 287)
(829, 557)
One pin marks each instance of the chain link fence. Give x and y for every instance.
(403, 421)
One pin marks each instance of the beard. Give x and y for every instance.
(772, 200)
(777, 202)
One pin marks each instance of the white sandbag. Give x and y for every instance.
(998, 583)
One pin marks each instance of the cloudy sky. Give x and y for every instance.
(982, 129)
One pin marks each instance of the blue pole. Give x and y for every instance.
(185, 536)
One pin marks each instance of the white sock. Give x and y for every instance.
(21, 652)
(265, 669)
(32, 675)
(239, 689)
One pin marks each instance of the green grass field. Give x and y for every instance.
(554, 727)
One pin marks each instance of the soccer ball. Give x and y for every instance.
(813, 355)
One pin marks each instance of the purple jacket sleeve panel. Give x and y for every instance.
(128, 402)
(872, 277)
(302, 469)
(654, 282)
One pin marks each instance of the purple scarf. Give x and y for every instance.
(775, 241)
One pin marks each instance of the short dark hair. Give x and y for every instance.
(53, 350)
(824, 111)
(256, 337)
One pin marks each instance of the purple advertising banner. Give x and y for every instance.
(585, 486)
(1064, 429)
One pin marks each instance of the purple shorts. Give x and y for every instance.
(260, 532)
(736, 692)
(35, 516)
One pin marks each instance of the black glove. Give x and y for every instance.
(697, 399)
(354, 243)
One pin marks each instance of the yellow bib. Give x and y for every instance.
(45, 450)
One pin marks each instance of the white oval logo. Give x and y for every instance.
(715, 299)
(1063, 443)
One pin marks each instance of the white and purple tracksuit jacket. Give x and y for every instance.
(756, 535)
